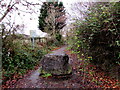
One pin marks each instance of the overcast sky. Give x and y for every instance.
(31, 20)
(33, 24)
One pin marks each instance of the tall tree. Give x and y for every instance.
(43, 15)
(52, 17)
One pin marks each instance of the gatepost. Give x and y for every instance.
(33, 35)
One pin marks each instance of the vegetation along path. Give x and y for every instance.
(76, 80)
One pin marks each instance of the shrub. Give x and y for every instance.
(19, 58)
(55, 41)
(99, 35)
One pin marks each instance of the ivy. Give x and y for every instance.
(98, 35)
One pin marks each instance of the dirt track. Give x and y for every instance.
(33, 80)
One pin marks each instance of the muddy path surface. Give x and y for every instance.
(76, 80)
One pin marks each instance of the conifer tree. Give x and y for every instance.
(52, 17)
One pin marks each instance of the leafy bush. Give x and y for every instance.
(19, 58)
(55, 41)
(99, 35)
(58, 37)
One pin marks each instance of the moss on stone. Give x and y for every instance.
(56, 72)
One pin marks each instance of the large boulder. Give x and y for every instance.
(56, 64)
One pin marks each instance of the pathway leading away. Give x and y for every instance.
(33, 80)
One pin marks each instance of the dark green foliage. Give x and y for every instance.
(61, 4)
(53, 43)
(52, 20)
(99, 35)
(18, 58)
(43, 15)
(59, 17)
(58, 37)
(105, 50)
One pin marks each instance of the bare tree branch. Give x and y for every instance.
(7, 11)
